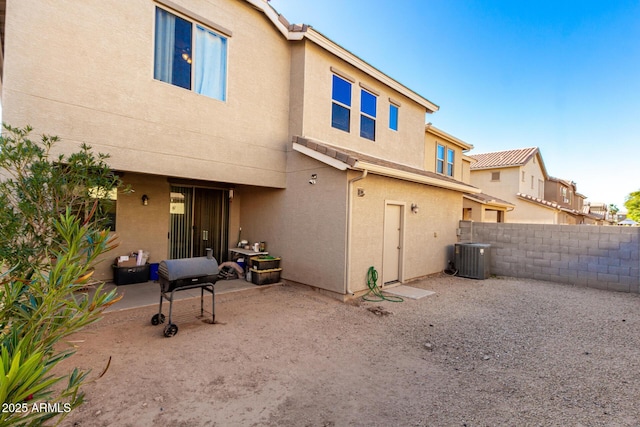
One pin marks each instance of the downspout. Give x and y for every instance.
(347, 289)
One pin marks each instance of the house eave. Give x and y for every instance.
(335, 163)
(447, 137)
(490, 203)
(413, 177)
(296, 32)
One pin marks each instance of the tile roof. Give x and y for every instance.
(500, 159)
(351, 158)
(539, 201)
(487, 199)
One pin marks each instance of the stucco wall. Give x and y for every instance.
(430, 154)
(427, 234)
(88, 77)
(313, 222)
(404, 146)
(532, 169)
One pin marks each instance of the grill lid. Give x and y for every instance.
(186, 268)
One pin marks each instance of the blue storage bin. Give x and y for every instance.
(153, 271)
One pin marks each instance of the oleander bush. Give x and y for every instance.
(53, 229)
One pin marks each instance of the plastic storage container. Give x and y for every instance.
(129, 275)
(264, 262)
(153, 271)
(265, 277)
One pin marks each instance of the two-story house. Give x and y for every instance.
(447, 156)
(230, 123)
(564, 193)
(518, 177)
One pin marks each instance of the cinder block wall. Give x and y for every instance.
(600, 257)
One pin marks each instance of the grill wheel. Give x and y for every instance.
(170, 330)
(157, 319)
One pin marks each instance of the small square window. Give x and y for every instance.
(495, 176)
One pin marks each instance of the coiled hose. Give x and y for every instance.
(372, 284)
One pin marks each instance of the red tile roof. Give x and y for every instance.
(501, 159)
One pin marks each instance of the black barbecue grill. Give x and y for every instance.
(181, 274)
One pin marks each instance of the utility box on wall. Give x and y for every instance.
(473, 260)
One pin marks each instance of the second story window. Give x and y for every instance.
(444, 165)
(368, 103)
(450, 154)
(440, 159)
(194, 59)
(341, 105)
(393, 117)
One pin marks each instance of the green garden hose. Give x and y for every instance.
(372, 279)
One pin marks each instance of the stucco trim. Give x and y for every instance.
(493, 202)
(414, 177)
(186, 12)
(449, 138)
(342, 74)
(369, 89)
(333, 162)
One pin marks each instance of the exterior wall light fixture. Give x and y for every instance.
(145, 200)
(314, 178)
(414, 208)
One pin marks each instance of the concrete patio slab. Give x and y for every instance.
(408, 292)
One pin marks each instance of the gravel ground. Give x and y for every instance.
(497, 352)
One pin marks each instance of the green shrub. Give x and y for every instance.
(52, 231)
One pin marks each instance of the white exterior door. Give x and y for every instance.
(392, 252)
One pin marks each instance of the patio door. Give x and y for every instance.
(392, 243)
(199, 219)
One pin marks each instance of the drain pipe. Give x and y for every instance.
(347, 289)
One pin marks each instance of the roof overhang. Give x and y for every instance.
(321, 157)
(300, 32)
(345, 159)
(539, 202)
(447, 137)
(414, 177)
(489, 201)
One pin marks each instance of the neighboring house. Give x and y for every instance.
(598, 213)
(564, 193)
(518, 178)
(232, 124)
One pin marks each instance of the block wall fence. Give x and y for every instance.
(604, 257)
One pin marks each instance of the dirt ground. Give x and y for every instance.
(477, 353)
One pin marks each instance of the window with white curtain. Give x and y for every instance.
(190, 55)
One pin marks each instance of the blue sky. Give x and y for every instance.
(561, 75)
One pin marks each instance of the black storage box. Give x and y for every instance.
(129, 275)
(264, 262)
(265, 277)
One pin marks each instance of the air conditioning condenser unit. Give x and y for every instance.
(473, 260)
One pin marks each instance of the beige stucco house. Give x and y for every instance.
(517, 177)
(231, 124)
(447, 156)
